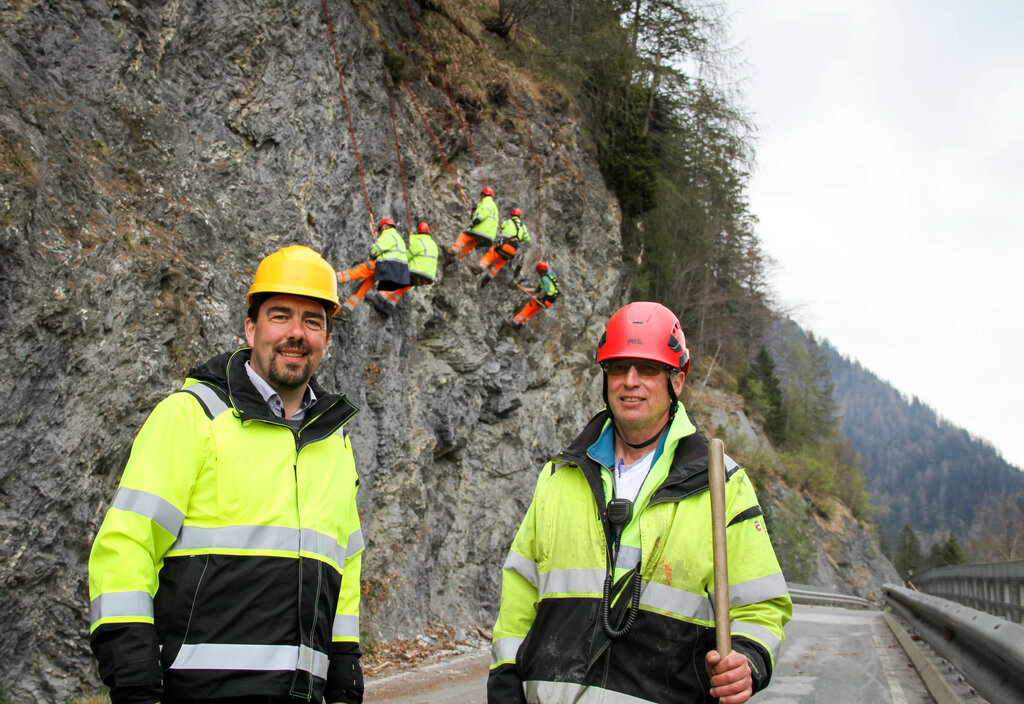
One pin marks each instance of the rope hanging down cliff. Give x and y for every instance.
(351, 128)
(451, 98)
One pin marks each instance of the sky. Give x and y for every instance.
(889, 185)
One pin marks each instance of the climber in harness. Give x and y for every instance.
(513, 235)
(541, 297)
(388, 265)
(484, 228)
(422, 263)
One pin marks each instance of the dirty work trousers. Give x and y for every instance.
(497, 257)
(363, 272)
(530, 310)
(393, 297)
(467, 241)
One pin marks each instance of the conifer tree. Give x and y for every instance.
(908, 559)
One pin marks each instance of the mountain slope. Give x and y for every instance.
(921, 469)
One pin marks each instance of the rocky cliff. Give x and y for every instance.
(151, 153)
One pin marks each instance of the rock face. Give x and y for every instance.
(150, 155)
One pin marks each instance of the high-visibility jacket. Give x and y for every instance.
(485, 221)
(514, 229)
(422, 257)
(391, 270)
(228, 562)
(549, 286)
(513, 234)
(549, 642)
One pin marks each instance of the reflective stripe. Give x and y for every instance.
(758, 632)
(261, 538)
(577, 693)
(155, 508)
(505, 649)
(212, 403)
(114, 604)
(572, 582)
(757, 590)
(678, 602)
(355, 543)
(345, 626)
(520, 565)
(628, 557)
(237, 656)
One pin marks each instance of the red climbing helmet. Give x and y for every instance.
(487, 191)
(386, 222)
(516, 213)
(645, 330)
(542, 266)
(423, 228)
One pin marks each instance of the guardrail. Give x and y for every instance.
(987, 650)
(811, 595)
(994, 587)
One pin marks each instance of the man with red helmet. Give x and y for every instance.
(484, 228)
(388, 265)
(513, 235)
(542, 296)
(607, 592)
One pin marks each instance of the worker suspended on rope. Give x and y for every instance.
(388, 265)
(541, 297)
(422, 263)
(513, 235)
(484, 227)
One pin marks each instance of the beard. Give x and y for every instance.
(288, 375)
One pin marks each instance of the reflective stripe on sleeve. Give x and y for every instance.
(155, 508)
(232, 656)
(578, 581)
(677, 602)
(345, 626)
(758, 633)
(537, 691)
(355, 543)
(521, 566)
(261, 538)
(505, 650)
(756, 590)
(114, 604)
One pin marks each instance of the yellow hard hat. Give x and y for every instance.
(299, 271)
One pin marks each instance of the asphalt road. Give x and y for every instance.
(833, 655)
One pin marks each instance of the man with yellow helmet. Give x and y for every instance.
(227, 566)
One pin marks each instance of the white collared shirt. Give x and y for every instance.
(273, 398)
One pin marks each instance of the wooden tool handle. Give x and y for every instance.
(716, 479)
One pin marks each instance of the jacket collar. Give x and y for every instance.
(227, 372)
(688, 471)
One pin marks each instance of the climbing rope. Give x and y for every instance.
(351, 128)
(398, 151)
(536, 158)
(451, 98)
(437, 144)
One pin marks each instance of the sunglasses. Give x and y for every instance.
(620, 367)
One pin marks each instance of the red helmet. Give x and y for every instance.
(516, 213)
(645, 330)
(542, 266)
(423, 228)
(386, 222)
(487, 191)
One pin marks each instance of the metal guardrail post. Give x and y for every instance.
(987, 650)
